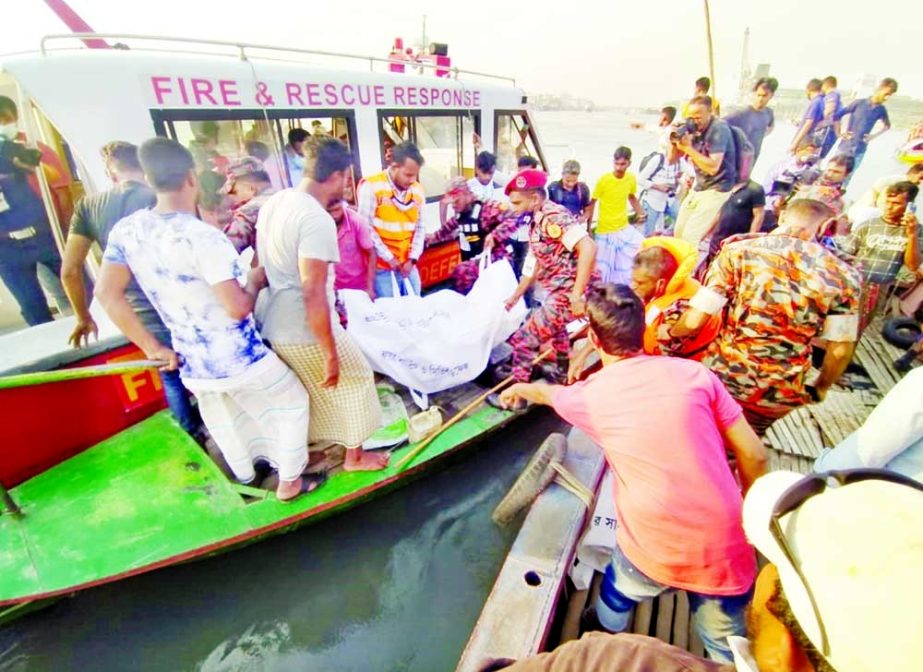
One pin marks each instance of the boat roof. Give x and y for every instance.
(63, 48)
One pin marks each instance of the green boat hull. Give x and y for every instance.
(150, 497)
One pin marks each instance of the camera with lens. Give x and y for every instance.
(10, 150)
(681, 131)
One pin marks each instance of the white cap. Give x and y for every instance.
(860, 548)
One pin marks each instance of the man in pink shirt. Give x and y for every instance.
(356, 268)
(664, 425)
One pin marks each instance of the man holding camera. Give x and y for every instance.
(25, 235)
(709, 144)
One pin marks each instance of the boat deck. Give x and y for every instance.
(150, 496)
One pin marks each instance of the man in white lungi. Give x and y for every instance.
(252, 404)
(297, 240)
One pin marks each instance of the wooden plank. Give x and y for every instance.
(681, 619)
(695, 642)
(519, 611)
(665, 605)
(642, 620)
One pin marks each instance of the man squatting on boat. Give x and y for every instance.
(696, 361)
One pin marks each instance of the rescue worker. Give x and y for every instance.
(478, 226)
(562, 259)
(392, 201)
(249, 186)
(662, 279)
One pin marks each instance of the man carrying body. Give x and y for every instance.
(663, 424)
(249, 187)
(92, 222)
(253, 406)
(561, 260)
(392, 201)
(711, 149)
(617, 240)
(778, 293)
(812, 117)
(757, 121)
(862, 116)
(297, 239)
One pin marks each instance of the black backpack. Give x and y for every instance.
(647, 159)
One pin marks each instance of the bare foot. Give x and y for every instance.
(289, 490)
(360, 460)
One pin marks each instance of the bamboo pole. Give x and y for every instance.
(711, 54)
(420, 447)
(60, 375)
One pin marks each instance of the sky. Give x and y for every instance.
(614, 52)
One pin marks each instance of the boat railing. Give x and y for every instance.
(244, 51)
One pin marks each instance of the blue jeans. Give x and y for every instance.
(173, 389)
(654, 220)
(19, 260)
(716, 616)
(383, 282)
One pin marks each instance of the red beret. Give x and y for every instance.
(530, 178)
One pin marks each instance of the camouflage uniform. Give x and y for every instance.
(241, 230)
(555, 272)
(782, 292)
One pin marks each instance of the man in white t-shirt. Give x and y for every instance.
(297, 240)
(253, 406)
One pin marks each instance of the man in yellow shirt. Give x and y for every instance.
(618, 242)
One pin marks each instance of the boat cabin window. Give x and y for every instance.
(445, 139)
(514, 139)
(219, 139)
(39, 184)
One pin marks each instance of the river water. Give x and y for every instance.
(396, 584)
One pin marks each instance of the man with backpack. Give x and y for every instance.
(721, 156)
(659, 180)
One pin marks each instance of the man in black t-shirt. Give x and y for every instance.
(741, 213)
(93, 219)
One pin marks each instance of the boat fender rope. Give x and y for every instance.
(572, 484)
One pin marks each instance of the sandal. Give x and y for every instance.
(309, 483)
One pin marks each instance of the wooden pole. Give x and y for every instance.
(420, 447)
(60, 375)
(711, 54)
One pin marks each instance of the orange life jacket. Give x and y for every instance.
(395, 221)
(681, 286)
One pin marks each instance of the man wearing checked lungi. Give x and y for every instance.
(297, 240)
(561, 261)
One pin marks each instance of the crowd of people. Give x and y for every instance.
(709, 298)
